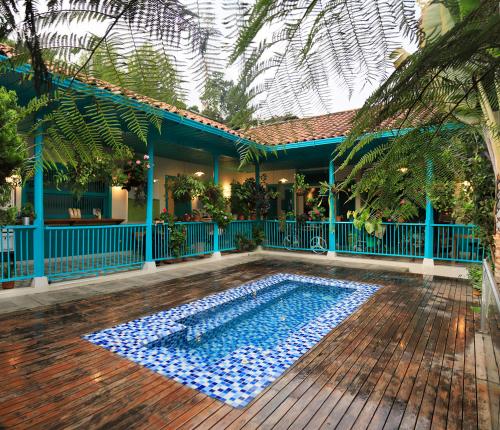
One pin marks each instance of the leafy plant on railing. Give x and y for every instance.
(185, 187)
(215, 204)
(364, 219)
(249, 198)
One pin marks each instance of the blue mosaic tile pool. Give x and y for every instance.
(233, 344)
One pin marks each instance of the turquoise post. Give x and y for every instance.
(216, 227)
(149, 263)
(39, 278)
(332, 212)
(429, 220)
(257, 183)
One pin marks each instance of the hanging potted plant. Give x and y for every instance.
(300, 185)
(135, 176)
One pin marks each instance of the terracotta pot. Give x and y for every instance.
(8, 285)
(197, 218)
(241, 217)
(253, 217)
(186, 218)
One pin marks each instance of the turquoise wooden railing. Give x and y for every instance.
(394, 239)
(16, 253)
(297, 236)
(89, 250)
(227, 237)
(199, 240)
(78, 250)
(454, 242)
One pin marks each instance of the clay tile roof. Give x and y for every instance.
(331, 125)
(299, 130)
(115, 89)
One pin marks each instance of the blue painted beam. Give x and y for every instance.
(257, 182)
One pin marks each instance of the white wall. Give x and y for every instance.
(167, 167)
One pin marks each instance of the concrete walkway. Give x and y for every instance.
(19, 299)
(31, 298)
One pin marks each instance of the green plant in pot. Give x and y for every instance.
(27, 214)
(300, 185)
(176, 236)
(244, 243)
(135, 176)
(7, 217)
(215, 204)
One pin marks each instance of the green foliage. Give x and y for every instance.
(226, 102)
(248, 198)
(186, 187)
(364, 219)
(300, 185)
(145, 71)
(244, 243)
(13, 150)
(214, 203)
(475, 275)
(176, 236)
(28, 211)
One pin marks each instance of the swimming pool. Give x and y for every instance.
(233, 344)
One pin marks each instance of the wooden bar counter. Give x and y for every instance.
(84, 221)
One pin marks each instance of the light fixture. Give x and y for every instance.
(198, 174)
(155, 180)
(283, 180)
(403, 169)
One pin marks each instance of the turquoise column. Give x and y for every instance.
(39, 278)
(429, 220)
(332, 205)
(216, 227)
(150, 264)
(257, 183)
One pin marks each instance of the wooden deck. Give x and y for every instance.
(411, 357)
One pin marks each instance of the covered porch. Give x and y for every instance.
(126, 237)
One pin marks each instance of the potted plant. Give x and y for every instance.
(7, 285)
(300, 185)
(185, 188)
(27, 214)
(135, 176)
(163, 217)
(176, 236)
(214, 203)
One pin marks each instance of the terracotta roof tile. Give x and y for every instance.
(331, 125)
(299, 130)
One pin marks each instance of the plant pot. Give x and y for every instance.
(196, 218)
(8, 285)
(253, 217)
(241, 217)
(26, 220)
(186, 218)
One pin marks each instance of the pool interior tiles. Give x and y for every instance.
(233, 344)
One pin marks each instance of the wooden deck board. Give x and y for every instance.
(410, 357)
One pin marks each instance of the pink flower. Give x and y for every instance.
(138, 162)
(129, 162)
(164, 210)
(146, 156)
(147, 165)
(402, 202)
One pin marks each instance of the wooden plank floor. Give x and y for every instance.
(411, 357)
